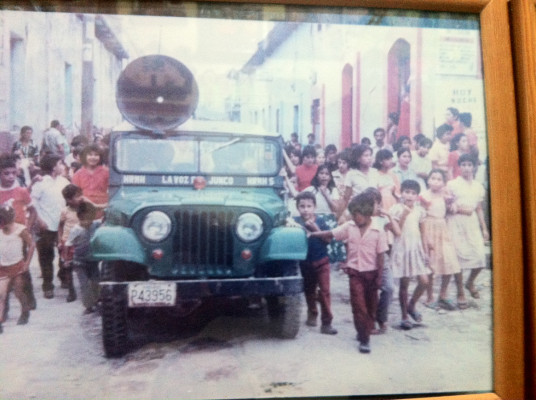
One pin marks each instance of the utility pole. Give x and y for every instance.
(87, 76)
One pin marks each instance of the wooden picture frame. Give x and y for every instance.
(523, 41)
(508, 308)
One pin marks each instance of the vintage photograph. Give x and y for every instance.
(243, 201)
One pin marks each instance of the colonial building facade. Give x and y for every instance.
(341, 81)
(58, 66)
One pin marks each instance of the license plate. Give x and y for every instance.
(151, 294)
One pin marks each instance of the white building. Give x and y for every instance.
(341, 81)
(57, 66)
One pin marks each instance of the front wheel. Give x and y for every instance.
(284, 313)
(114, 322)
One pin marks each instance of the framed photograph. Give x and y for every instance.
(523, 39)
(360, 77)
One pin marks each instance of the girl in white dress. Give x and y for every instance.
(407, 255)
(326, 194)
(466, 222)
(16, 251)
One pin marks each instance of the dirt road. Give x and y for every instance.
(59, 355)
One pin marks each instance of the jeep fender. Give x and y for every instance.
(284, 243)
(116, 243)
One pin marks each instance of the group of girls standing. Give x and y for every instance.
(441, 226)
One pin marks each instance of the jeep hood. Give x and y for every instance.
(129, 200)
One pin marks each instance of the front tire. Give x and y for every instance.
(115, 337)
(284, 313)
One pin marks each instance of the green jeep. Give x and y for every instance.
(194, 212)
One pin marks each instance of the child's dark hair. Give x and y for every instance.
(48, 162)
(345, 155)
(437, 171)
(442, 130)
(455, 141)
(305, 196)
(454, 111)
(381, 156)
(75, 165)
(357, 152)
(70, 191)
(8, 161)
(316, 182)
(290, 149)
(402, 150)
(374, 193)
(363, 204)
(410, 184)
(467, 158)
(93, 147)
(398, 144)
(366, 141)
(425, 142)
(86, 211)
(330, 148)
(309, 151)
(7, 214)
(466, 118)
(79, 140)
(417, 138)
(395, 117)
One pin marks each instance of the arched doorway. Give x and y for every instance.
(398, 89)
(346, 106)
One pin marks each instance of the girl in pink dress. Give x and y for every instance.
(458, 145)
(437, 241)
(388, 183)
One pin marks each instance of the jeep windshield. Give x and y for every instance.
(212, 155)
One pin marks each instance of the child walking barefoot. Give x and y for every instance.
(16, 251)
(438, 244)
(408, 256)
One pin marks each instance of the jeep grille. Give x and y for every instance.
(203, 244)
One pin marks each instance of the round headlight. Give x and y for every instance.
(249, 227)
(156, 226)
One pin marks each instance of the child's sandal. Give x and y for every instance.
(446, 304)
(406, 325)
(417, 317)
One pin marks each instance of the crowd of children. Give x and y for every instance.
(375, 219)
(50, 201)
(411, 221)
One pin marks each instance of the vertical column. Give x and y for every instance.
(87, 75)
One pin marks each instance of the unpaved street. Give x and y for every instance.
(59, 355)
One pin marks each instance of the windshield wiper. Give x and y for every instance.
(222, 146)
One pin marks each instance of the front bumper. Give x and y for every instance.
(196, 289)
